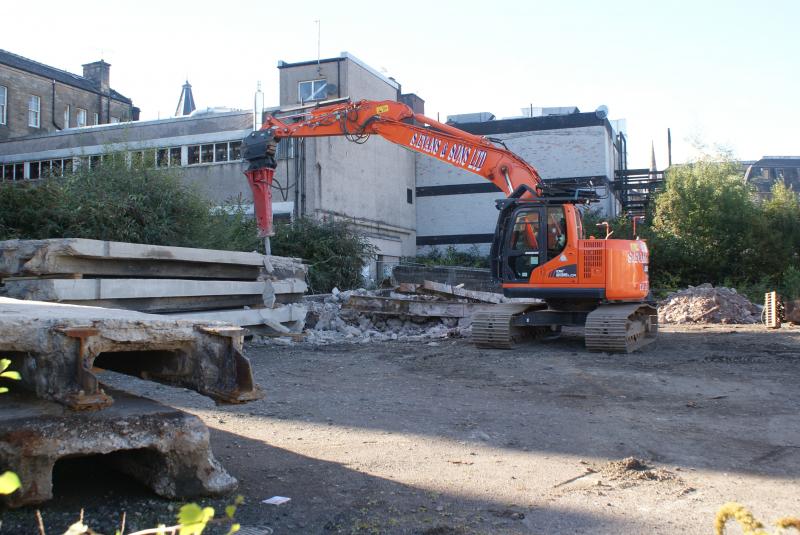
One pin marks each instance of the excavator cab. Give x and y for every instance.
(530, 233)
(535, 234)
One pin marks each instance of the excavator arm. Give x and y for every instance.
(395, 122)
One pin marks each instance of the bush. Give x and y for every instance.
(118, 202)
(453, 257)
(335, 251)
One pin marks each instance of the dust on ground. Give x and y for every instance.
(440, 437)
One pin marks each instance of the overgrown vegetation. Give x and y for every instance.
(122, 202)
(453, 257)
(335, 252)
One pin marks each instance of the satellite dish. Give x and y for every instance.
(601, 111)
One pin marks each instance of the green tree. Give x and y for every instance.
(780, 242)
(705, 225)
(335, 251)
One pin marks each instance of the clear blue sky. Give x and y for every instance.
(722, 71)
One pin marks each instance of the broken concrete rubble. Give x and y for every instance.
(57, 347)
(363, 316)
(164, 448)
(707, 304)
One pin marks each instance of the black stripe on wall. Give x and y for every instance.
(457, 189)
(453, 239)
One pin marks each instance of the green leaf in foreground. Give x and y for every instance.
(193, 518)
(9, 482)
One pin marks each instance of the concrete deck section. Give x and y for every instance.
(288, 318)
(88, 289)
(164, 448)
(388, 306)
(95, 257)
(57, 348)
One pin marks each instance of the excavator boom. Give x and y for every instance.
(396, 122)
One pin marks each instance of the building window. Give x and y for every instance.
(312, 90)
(67, 113)
(235, 150)
(194, 155)
(34, 106)
(409, 196)
(7, 172)
(80, 117)
(213, 153)
(162, 158)
(220, 152)
(206, 153)
(285, 149)
(95, 119)
(3, 101)
(169, 157)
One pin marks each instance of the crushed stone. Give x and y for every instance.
(707, 304)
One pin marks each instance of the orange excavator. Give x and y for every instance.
(539, 249)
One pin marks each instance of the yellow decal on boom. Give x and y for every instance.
(382, 109)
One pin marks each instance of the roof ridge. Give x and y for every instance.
(48, 71)
(45, 65)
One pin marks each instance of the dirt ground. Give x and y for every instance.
(442, 438)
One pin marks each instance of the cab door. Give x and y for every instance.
(524, 244)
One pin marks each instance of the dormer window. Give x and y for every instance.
(312, 90)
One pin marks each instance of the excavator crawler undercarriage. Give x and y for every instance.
(614, 328)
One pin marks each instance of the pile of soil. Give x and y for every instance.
(706, 304)
(631, 468)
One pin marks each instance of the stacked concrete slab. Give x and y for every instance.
(60, 408)
(71, 309)
(246, 289)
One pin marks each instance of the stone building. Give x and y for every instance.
(38, 99)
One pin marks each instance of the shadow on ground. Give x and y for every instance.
(325, 498)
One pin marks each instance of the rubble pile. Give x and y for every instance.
(706, 304)
(328, 321)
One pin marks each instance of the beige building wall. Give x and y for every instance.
(370, 184)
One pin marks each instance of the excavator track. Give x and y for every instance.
(492, 328)
(621, 328)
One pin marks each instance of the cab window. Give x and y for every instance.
(556, 231)
(523, 254)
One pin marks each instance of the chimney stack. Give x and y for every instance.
(100, 73)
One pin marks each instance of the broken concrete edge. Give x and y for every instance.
(163, 447)
(288, 318)
(56, 347)
(26, 249)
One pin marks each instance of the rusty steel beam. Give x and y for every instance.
(58, 349)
